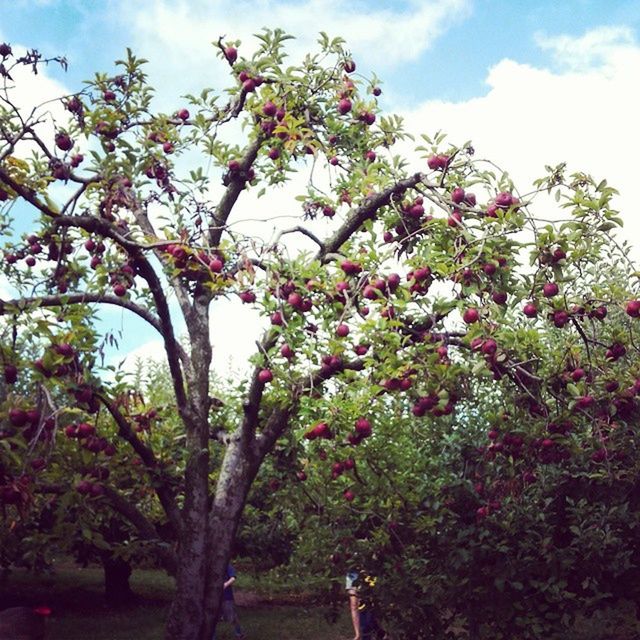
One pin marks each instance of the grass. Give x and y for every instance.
(76, 597)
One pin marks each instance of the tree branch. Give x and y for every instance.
(26, 193)
(78, 298)
(134, 516)
(144, 526)
(364, 212)
(93, 224)
(276, 424)
(172, 348)
(140, 214)
(148, 458)
(236, 184)
(298, 229)
(251, 406)
(278, 421)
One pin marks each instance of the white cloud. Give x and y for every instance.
(235, 328)
(176, 35)
(37, 97)
(596, 47)
(152, 351)
(531, 117)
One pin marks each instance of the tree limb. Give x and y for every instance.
(148, 458)
(236, 184)
(143, 525)
(298, 229)
(364, 212)
(133, 515)
(79, 298)
(26, 193)
(251, 406)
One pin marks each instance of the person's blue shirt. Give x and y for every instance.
(227, 594)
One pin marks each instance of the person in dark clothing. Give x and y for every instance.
(228, 610)
(364, 623)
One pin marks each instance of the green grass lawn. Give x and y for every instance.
(76, 597)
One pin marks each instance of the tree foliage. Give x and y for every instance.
(428, 277)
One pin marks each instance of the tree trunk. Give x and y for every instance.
(238, 471)
(117, 572)
(186, 615)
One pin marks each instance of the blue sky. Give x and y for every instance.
(531, 83)
(479, 33)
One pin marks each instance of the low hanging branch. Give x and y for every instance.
(147, 456)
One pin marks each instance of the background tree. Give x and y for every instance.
(408, 283)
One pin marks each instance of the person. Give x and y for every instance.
(362, 618)
(227, 609)
(354, 603)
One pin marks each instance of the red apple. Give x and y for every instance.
(489, 347)
(342, 331)
(560, 318)
(363, 427)
(578, 374)
(499, 297)
(10, 374)
(295, 300)
(344, 106)
(17, 417)
(265, 375)
(457, 195)
(350, 268)
(269, 109)
(361, 349)
(63, 141)
(633, 308)
(471, 315)
(504, 200)
(231, 54)
(438, 162)
(65, 349)
(216, 265)
(84, 487)
(84, 430)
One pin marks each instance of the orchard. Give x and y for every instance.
(447, 375)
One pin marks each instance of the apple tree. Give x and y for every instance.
(403, 273)
(472, 529)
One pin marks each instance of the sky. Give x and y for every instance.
(531, 83)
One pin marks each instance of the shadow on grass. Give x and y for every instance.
(79, 610)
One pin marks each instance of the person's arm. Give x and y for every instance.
(229, 582)
(355, 613)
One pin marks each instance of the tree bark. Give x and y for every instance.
(238, 471)
(186, 614)
(117, 572)
(202, 566)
